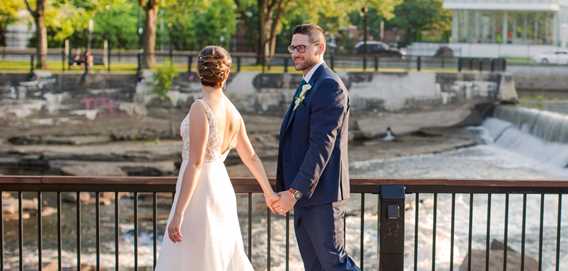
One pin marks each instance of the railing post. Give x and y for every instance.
(504, 64)
(87, 62)
(365, 62)
(63, 58)
(460, 64)
(376, 63)
(419, 63)
(32, 64)
(139, 66)
(189, 62)
(109, 56)
(238, 63)
(332, 60)
(391, 227)
(263, 60)
(286, 65)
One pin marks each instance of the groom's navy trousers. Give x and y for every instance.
(312, 158)
(319, 231)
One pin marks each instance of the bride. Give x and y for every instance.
(203, 231)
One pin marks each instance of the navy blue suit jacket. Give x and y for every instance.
(312, 155)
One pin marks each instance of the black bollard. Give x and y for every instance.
(391, 227)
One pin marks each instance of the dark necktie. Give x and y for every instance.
(299, 89)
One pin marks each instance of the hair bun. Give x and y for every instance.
(214, 66)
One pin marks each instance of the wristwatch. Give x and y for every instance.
(295, 193)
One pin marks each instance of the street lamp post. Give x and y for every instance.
(88, 59)
(365, 35)
(170, 44)
(139, 32)
(90, 28)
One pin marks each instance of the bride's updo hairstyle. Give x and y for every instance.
(214, 66)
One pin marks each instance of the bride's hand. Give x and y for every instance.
(174, 229)
(270, 199)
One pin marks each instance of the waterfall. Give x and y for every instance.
(549, 126)
(537, 134)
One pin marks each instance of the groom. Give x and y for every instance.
(313, 167)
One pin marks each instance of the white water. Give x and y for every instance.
(549, 126)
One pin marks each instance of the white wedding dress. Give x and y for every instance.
(212, 237)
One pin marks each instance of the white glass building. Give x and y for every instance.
(529, 22)
(19, 33)
(504, 28)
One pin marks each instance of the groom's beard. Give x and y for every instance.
(303, 64)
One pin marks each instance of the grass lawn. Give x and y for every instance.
(519, 60)
(10, 66)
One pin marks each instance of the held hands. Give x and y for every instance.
(271, 198)
(285, 204)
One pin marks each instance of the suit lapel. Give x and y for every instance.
(286, 119)
(291, 112)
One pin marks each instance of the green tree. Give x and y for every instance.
(211, 23)
(333, 16)
(270, 13)
(38, 13)
(151, 8)
(8, 14)
(117, 23)
(114, 20)
(64, 19)
(247, 20)
(417, 16)
(374, 19)
(214, 25)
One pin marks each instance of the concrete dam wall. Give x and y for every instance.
(405, 101)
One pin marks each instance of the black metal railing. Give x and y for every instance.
(279, 62)
(476, 189)
(394, 197)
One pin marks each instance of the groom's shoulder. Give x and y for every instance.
(330, 79)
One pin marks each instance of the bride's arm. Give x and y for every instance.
(197, 144)
(254, 164)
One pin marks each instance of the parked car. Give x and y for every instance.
(379, 49)
(444, 51)
(554, 57)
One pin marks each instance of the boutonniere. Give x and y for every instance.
(298, 100)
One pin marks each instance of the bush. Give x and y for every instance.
(164, 79)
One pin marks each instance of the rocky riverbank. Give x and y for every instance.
(121, 145)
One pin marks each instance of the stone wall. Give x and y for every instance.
(251, 92)
(376, 92)
(541, 77)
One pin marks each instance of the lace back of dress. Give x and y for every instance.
(213, 141)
